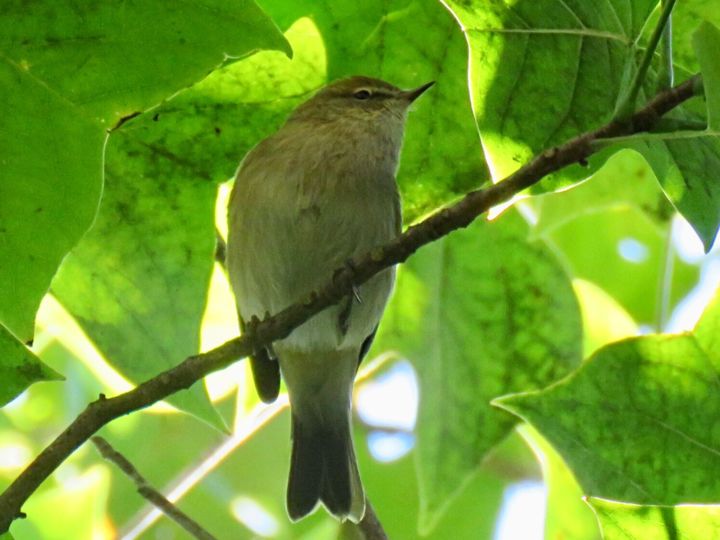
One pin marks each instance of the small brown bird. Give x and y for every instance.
(306, 199)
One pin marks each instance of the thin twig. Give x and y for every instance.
(339, 285)
(149, 492)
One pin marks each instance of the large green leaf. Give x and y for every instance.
(69, 72)
(542, 72)
(137, 282)
(635, 422)
(479, 312)
(407, 43)
(19, 367)
(620, 521)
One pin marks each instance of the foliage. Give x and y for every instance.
(124, 121)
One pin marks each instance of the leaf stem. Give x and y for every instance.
(666, 74)
(626, 106)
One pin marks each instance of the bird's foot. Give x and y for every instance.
(349, 266)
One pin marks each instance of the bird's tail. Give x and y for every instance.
(323, 468)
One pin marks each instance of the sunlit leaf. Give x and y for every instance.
(620, 521)
(604, 320)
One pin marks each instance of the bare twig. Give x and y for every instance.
(149, 492)
(339, 284)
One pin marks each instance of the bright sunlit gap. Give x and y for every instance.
(522, 516)
(254, 516)
(632, 250)
(14, 454)
(389, 402)
(689, 248)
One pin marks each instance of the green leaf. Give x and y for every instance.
(706, 42)
(407, 43)
(635, 422)
(621, 521)
(19, 367)
(541, 73)
(478, 313)
(68, 73)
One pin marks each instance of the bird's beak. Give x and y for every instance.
(412, 95)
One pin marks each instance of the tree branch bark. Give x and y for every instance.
(272, 328)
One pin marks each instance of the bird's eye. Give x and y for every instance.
(362, 94)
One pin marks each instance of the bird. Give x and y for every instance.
(306, 200)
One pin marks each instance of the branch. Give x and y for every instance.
(261, 333)
(149, 492)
